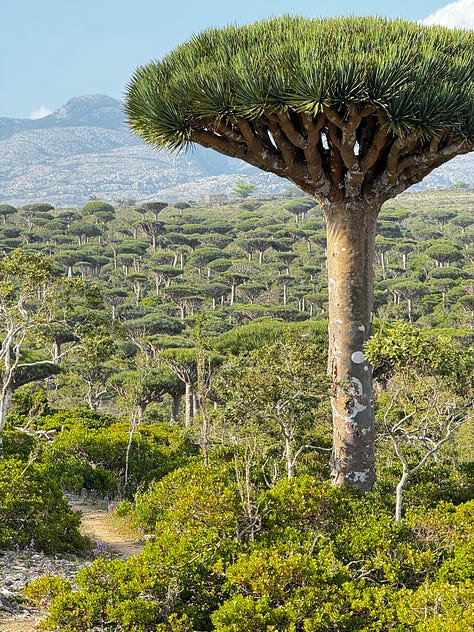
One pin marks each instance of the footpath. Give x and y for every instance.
(19, 568)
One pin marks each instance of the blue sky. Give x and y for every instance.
(53, 50)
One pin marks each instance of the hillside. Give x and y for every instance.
(85, 148)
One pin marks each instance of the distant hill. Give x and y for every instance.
(85, 148)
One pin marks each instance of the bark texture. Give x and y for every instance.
(351, 238)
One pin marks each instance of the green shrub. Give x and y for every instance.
(18, 444)
(84, 417)
(318, 558)
(33, 512)
(95, 458)
(75, 475)
(43, 590)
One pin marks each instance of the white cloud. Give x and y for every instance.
(43, 111)
(455, 15)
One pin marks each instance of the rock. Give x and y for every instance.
(18, 569)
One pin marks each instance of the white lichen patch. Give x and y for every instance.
(356, 386)
(357, 390)
(361, 327)
(358, 476)
(358, 357)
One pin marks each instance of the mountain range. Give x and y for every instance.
(85, 149)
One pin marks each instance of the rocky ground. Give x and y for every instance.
(19, 568)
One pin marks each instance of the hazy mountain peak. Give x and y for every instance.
(92, 109)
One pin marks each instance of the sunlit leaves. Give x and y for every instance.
(420, 79)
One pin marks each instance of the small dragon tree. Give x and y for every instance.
(351, 110)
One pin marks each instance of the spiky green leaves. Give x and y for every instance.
(420, 79)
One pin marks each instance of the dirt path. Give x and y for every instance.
(112, 539)
(107, 532)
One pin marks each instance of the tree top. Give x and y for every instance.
(315, 99)
(420, 78)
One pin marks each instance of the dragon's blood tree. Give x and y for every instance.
(351, 110)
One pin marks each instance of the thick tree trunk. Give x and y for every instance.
(351, 238)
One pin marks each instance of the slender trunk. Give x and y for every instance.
(56, 352)
(382, 263)
(189, 405)
(289, 458)
(5, 401)
(204, 431)
(135, 420)
(399, 496)
(351, 238)
(195, 407)
(175, 405)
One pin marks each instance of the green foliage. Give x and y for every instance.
(33, 512)
(66, 419)
(418, 78)
(98, 207)
(260, 333)
(23, 271)
(243, 189)
(306, 505)
(18, 444)
(400, 346)
(44, 589)
(277, 394)
(322, 559)
(194, 497)
(93, 457)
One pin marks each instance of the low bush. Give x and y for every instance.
(95, 458)
(33, 512)
(318, 558)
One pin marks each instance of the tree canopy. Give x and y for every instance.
(314, 99)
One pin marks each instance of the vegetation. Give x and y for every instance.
(351, 110)
(188, 381)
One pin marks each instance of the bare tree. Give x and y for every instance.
(419, 418)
